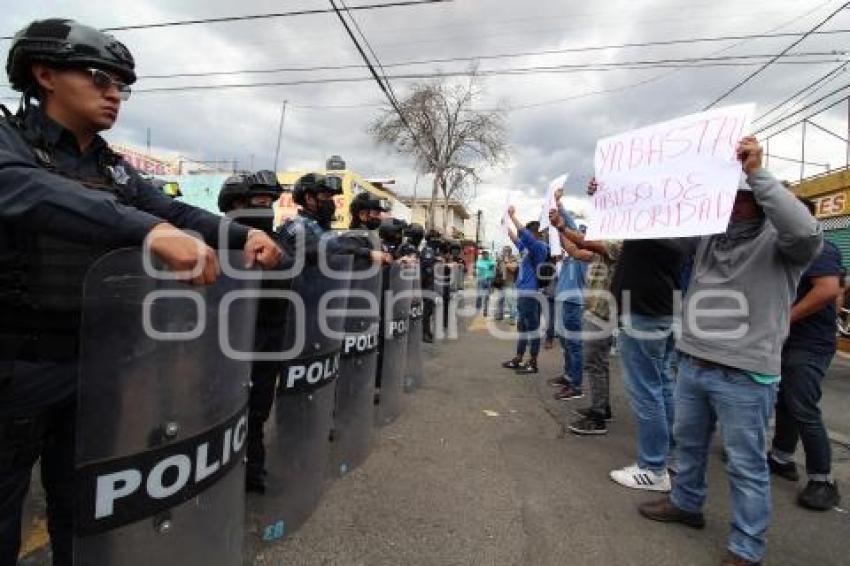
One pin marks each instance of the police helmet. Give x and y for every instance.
(315, 183)
(363, 202)
(244, 186)
(415, 232)
(392, 230)
(65, 44)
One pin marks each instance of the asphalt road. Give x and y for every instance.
(479, 470)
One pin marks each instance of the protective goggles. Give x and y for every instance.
(104, 81)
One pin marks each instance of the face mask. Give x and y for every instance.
(325, 211)
(264, 222)
(373, 223)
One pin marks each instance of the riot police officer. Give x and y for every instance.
(248, 198)
(65, 199)
(314, 194)
(363, 211)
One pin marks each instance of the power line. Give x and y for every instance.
(455, 59)
(803, 109)
(384, 88)
(821, 81)
(262, 16)
(749, 77)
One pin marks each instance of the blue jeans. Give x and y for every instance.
(571, 315)
(506, 302)
(798, 415)
(528, 321)
(646, 345)
(707, 394)
(483, 295)
(550, 317)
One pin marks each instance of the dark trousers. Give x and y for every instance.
(49, 435)
(528, 325)
(427, 317)
(263, 382)
(798, 416)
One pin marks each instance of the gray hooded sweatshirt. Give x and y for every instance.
(744, 282)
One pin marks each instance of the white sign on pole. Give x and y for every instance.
(549, 202)
(673, 179)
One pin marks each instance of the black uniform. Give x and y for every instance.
(60, 209)
(427, 264)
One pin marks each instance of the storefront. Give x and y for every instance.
(831, 195)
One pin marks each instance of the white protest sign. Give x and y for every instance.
(673, 179)
(506, 224)
(549, 202)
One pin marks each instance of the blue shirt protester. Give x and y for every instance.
(536, 253)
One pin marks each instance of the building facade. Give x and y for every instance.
(830, 193)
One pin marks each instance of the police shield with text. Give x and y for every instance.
(395, 315)
(65, 199)
(248, 198)
(355, 388)
(315, 271)
(413, 371)
(162, 416)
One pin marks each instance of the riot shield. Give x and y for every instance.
(413, 370)
(161, 418)
(395, 315)
(297, 435)
(354, 414)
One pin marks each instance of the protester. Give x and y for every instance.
(596, 323)
(806, 356)
(527, 239)
(485, 271)
(731, 364)
(507, 268)
(569, 301)
(646, 282)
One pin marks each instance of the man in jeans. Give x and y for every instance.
(569, 301)
(527, 239)
(596, 323)
(485, 270)
(507, 267)
(646, 284)
(806, 356)
(730, 364)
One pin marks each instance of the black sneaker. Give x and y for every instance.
(568, 393)
(591, 414)
(819, 496)
(513, 363)
(588, 426)
(786, 471)
(527, 367)
(557, 382)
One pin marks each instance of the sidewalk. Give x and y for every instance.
(478, 470)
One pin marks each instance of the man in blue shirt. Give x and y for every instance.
(806, 356)
(570, 303)
(528, 295)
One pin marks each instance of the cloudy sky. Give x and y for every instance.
(555, 117)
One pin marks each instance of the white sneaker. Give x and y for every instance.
(636, 477)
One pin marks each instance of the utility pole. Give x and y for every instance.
(279, 134)
(478, 229)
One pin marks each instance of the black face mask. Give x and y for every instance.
(325, 212)
(264, 222)
(373, 223)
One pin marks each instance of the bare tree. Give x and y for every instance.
(447, 137)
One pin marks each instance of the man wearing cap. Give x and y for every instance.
(66, 199)
(730, 364)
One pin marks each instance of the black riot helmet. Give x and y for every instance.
(243, 186)
(315, 183)
(391, 231)
(65, 43)
(415, 233)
